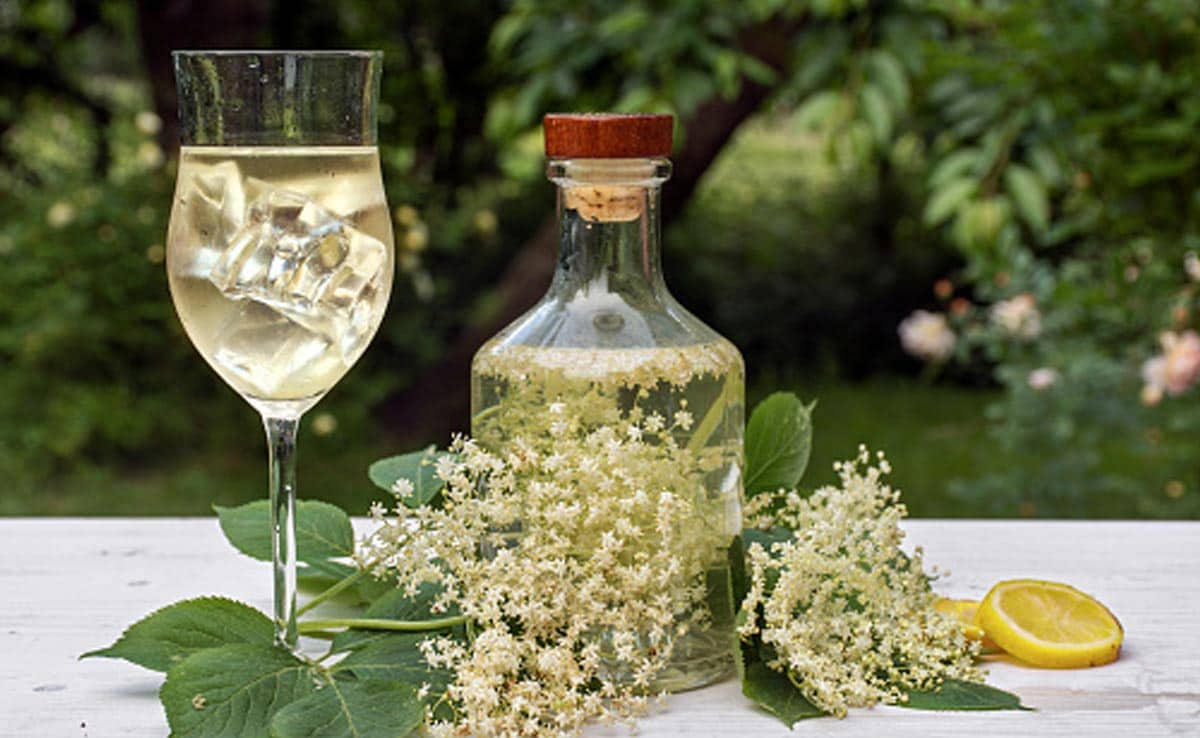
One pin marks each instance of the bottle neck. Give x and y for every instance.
(608, 214)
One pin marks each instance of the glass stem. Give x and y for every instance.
(281, 449)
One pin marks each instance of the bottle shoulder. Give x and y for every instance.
(668, 344)
(605, 320)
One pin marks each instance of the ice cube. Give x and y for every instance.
(266, 351)
(306, 262)
(214, 205)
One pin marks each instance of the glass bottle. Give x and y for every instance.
(609, 343)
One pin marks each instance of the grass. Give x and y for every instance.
(932, 434)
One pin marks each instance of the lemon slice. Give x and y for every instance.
(1050, 624)
(966, 613)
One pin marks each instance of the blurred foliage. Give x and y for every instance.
(1013, 147)
(776, 211)
(1064, 164)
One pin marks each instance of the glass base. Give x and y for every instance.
(700, 659)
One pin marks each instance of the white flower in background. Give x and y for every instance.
(1151, 395)
(150, 155)
(148, 124)
(324, 424)
(60, 214)
(1042, 378)
(1018, 316)
(485, 222)
(927, 336)
(1191, 265)
(1173, 371)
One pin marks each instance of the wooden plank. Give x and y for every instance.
(72, 585)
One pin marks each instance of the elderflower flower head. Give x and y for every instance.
(578, 553)
(848, 614)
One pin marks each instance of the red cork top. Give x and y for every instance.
(608, 135)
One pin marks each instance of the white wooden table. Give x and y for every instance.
(67, 586)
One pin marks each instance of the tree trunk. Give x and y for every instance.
(437, 403)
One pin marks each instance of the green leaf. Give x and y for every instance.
(1028, 195)
(1045, 163)
(955, 166)
(348, 708)
(778, 443)
(168, 636)
(395, 657)
(776, 694)
(877, 112)
(947, 199)
(959, 695)
(816, 110)
(232, 691)
(369, 588)
(394, 605)
(765, 538)
(323, 531)
(888, 73)
(417, 467)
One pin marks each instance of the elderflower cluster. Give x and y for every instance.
(577, 553)
(848, 615)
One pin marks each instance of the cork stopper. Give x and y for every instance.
(607, 135)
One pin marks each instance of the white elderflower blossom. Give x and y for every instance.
(402, 488)
(848, 614)
(927, 336)
(575, 559)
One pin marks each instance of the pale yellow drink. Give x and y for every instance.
(280, 264)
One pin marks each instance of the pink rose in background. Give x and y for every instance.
(927, 336)
(1018, 316)
(1173, 371)
(1042, 378)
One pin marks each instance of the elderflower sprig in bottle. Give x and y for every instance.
(608, 346)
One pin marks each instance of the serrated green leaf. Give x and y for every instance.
(368, 588)
(955, 694)
(1028, 195)
(877, 113)
(778, 443)
(947, 199)
(323, 531)
(232, 691)
(352, 708)
(417, 467)
(773, 692)
(168, 636)
(395, 656)
(394, 605)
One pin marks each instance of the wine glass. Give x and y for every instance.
(279, 251)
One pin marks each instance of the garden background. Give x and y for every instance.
(1027, 174)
